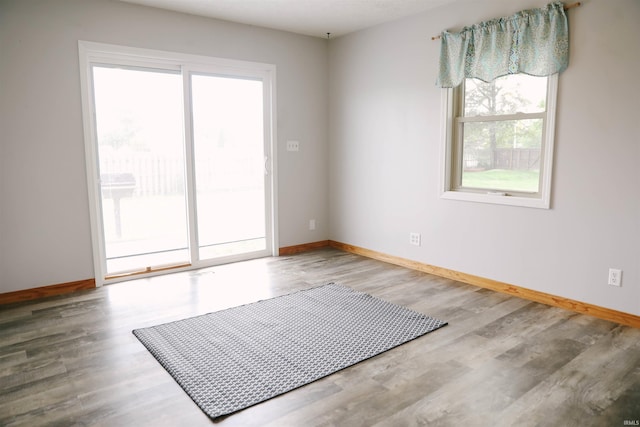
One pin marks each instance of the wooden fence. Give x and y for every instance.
(163, 175)
(504, 158)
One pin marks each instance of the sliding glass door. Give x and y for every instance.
(139, 123)
(228, 131)
(179, 161)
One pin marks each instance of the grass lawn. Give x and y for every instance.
(501, 179)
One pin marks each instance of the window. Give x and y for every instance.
(499, 140)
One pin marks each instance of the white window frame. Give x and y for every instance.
(451, 99)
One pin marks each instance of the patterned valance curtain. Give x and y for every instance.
(534, 42)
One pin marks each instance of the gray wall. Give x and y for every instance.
(385, 144)
(44, 216)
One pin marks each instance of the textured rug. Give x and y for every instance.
(235, 358)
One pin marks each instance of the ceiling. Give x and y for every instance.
(309, 17)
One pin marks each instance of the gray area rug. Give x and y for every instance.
(235, 358)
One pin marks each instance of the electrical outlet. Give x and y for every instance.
(615, 277)
(414, 239)
(312, 224)
(293, 145)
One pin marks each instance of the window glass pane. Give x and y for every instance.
(139, 123)
(517, 93)
(228, 129)
(502, 155)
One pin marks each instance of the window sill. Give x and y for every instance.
(528, 202)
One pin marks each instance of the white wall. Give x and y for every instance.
(385, 146)
(44, 215)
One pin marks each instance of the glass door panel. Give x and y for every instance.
(139, 126)
(229, 163)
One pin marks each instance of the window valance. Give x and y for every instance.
(534, 42)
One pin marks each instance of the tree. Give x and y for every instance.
(504, 95)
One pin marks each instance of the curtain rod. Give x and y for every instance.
(567, 7)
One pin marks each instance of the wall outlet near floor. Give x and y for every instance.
(312, 224)
(293, 145)
(615, 277)
(414, 239)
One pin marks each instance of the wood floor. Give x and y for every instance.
(502, 361)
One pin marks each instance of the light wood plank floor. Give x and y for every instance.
(501, 361)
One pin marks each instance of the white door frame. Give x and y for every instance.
(91, 53)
